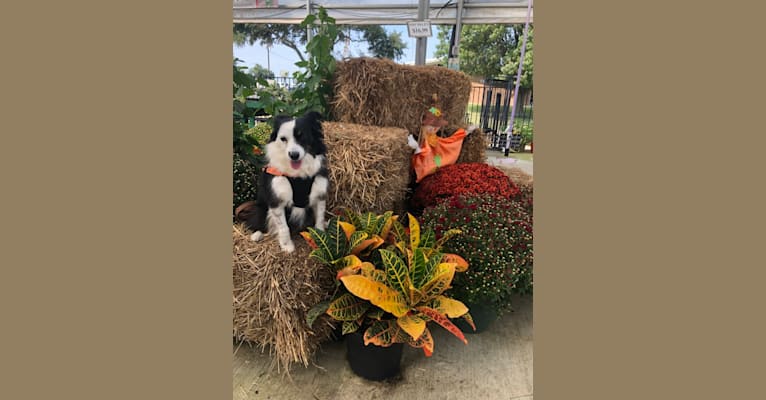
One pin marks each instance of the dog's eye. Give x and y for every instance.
(284, 139)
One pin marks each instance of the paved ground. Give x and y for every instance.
(497, 157)
(496, 364)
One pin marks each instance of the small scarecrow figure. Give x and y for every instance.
(432, 151)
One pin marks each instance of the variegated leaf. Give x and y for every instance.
(350, 327)
(314, 312)
(367, 245)
(348, 229)
(397, 232)
(414, 231)
(377, 293)
(307, 237)
(382, 333)
(467, 317)
(353, 218)
(425, 341)
(444, 322)
(426, 266)
(357, 238)
(388, 221)
(412, 324)
(376, 314)
(447, 235)
(450, 307)
(440, 282)
(347, 308)
(427, 237)
(461, 265)
(396, 271)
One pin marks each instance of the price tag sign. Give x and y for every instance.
(419, 29)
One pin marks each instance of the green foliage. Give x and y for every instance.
(490, 50)
(380, 43)
(313, 89)
(259, 71)
(512, 67)
(247, 158)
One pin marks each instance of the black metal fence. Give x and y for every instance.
(489, 107)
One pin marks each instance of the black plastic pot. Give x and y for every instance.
(372, 362)
(483, 315)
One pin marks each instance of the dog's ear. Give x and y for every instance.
(278, 121)
(314, 115)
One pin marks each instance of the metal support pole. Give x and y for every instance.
(421, 43)
(309, 32)
(454, 53)
(509, 130)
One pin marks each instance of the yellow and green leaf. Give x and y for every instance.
(377, 293)
(356, 238)
(396, 271)
(427, 238)
(423, 267)
(353, 218)
(347, 308)
(412, 324)
(425, 341)
(414, 231)
(388, 222)
(450, 307)
(376, 314)
(350, 327)
(398, 233)
(369, 271)
(467, 317)
(447, 235)
(440, 282)
(382, 333)
(367, 245)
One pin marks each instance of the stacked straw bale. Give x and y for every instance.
(379, 92)
(369, 167)
(272, 293)
(474, 148)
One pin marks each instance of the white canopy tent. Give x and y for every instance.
(391, 12)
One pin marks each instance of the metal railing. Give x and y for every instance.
(489, 107)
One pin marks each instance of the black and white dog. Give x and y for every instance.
(292, 189)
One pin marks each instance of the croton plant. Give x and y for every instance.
(390, 279)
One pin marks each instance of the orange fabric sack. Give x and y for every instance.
(437, 153)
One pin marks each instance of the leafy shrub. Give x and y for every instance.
(496, 242)
(245, 180)
(458, 179)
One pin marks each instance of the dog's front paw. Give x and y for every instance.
(258, 235)
(288, 247)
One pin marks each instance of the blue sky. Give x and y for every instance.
(282, 58)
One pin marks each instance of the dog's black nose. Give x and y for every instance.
(294, 155)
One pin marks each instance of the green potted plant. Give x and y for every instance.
(496, 242)
(386, 297)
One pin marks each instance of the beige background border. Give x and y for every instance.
(116, 175)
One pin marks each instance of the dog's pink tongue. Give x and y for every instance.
(295, 164)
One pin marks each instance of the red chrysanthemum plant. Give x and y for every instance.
(391, 292)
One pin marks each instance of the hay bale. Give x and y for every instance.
(271, 296)
(369, 167)
(379, 92)
(474, 148)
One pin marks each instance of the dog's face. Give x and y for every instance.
(296, 146)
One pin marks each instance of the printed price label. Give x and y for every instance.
(418, 29)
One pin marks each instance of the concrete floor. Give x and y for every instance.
(497, 158)
(496, 364)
